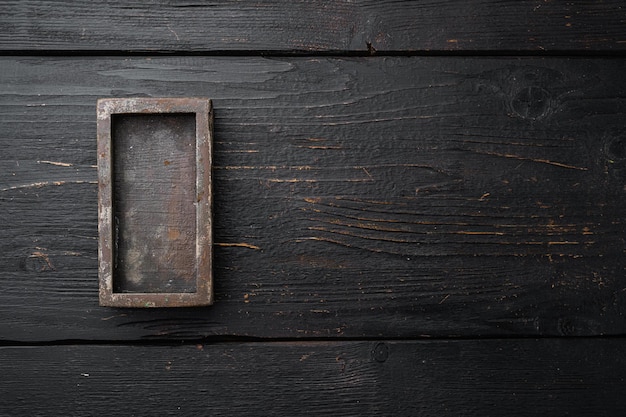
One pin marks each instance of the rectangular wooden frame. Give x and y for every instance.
(202, 108)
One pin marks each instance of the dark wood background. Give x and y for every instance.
(419, 208)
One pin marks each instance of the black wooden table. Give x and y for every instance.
(419, 208)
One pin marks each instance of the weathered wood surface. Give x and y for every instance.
(354, 197)
(313, 26)
(362, 206)
(468, 378)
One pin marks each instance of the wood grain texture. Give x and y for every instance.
(313, 26)
(354, 197)
(468, 378)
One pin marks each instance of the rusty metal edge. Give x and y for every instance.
(203, 109)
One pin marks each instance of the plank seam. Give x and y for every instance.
(329, 53)
(269, 340)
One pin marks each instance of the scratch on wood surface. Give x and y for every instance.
(239, 244)
(45, 258)
(377, 120)
(437, 186)
(387, 220)
(270, 167)
(466, 232)
(323, 239)
(369, 226)
(45, 184)
(356, 235)
(364, 200)
(169, 27)
(313, 200)
(523, 158)
(60, 164)
(290, 180)
(368, 174)
(566, 242)
(112, 317)
(323, 147)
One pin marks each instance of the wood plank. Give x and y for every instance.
(445, 378)
(313, 26)
(354, 197)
